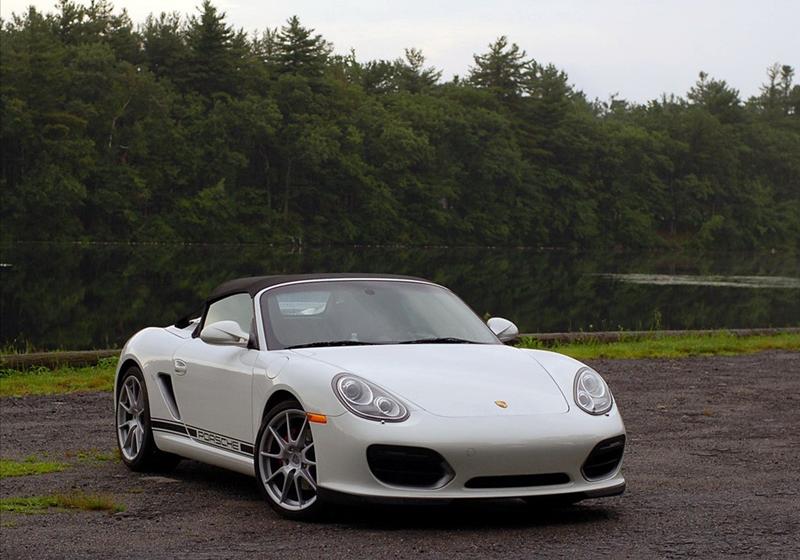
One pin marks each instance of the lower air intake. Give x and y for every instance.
(517, 480)
(604, 458)
(417, 467)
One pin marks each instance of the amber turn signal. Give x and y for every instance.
(317, 418)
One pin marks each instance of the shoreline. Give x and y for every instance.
(79, 358)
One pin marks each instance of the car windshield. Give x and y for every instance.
(361, 312)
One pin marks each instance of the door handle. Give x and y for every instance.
(180, 367)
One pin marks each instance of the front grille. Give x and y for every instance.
(517, 480)
(604, 458)
(400, 465)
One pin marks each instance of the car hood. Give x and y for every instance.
(453, 380)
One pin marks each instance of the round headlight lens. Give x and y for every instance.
(355, 391)
(591, 392)
(388, 407)
(367, 400)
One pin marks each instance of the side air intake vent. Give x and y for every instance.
(165, 386)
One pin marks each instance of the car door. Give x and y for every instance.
(213, 382)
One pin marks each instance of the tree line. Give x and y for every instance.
(186, 129)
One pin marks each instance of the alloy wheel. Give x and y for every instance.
(287, 461)
(130, 418)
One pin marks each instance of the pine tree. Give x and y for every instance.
(300, 52)
(502, 69)
(412, 75)
(717, 97)
(164, 47)
(212, 58)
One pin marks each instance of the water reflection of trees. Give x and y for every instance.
(68, 296)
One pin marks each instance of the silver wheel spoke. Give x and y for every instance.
(272, 455)
(304, 454)
(278, 439)
(271, 477)
(128, 438)
(128, 392)
(139, 435)
(125, 407)
(129, 424)
(287, 485)
(302, 429)
(297, 489)
(307, 477)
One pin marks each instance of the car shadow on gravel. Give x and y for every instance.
(467, 515)
(215, 479)
(463, 514)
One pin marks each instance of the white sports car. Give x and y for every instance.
(367, 387)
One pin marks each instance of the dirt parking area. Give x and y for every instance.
(712, 467)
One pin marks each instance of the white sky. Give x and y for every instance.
(637, 48)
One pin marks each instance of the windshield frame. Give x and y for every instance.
(260, 318)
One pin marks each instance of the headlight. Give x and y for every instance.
(367, 400)
(591, 392)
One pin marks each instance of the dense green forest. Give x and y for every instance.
(181, 128)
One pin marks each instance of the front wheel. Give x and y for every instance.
(285, 462)
(134, 435)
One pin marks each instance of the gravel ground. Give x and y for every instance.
(712, 470)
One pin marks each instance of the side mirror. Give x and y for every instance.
(503, 329)
(227, 333)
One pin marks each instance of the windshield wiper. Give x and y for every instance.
(442, 340)
(331, 343)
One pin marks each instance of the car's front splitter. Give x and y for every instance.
(334, 496)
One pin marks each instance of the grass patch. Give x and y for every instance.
(43, 381)
(73, 500)
(96, 456)
(721, 344)
(29, 466)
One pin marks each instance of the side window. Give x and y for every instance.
(238, 307)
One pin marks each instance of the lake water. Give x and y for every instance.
(95, 296)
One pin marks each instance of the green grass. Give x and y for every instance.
(96, 456)
(65, 380)
(73, 500)
(29, 466)
(721, 344)
(43, 381)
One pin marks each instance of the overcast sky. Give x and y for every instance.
(636, 48)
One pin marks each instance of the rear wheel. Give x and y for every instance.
(134, 435)
(285, 462)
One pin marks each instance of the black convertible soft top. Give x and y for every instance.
(254, 284)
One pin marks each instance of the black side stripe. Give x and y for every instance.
(168, 426)
(205, 437)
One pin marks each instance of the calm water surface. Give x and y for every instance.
(95, 296)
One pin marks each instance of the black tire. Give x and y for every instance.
(147, 458)
(317, 507)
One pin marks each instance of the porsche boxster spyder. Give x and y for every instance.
(364, 387)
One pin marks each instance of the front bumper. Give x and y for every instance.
(473, 447)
